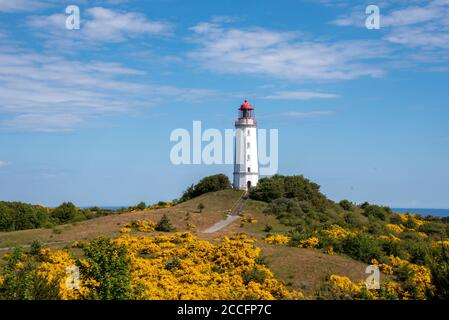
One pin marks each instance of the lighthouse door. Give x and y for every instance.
(248, 185)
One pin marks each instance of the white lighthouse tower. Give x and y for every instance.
(246, 162)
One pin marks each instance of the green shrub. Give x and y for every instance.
(64, 213)
(434, 229)
(164, 224)
(173, 264)
(254, 275)
(23, 283)
(284, 205)
(109, 264)
(353, 220)
(376, 211)
(35, 247)
(296, 187)
(141, 206)
(363, 247)
(267, 189)
(346, 205)
(208, 184)
(440, 274)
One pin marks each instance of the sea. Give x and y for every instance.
(424, 212)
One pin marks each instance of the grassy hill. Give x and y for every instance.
(299, 268)
(287, 230)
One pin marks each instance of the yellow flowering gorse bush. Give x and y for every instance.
(311, 242)
(277, 239)
(180, 266)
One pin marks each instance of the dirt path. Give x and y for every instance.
(221, 224)
(230, 218)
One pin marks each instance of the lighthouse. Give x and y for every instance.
(246, 162)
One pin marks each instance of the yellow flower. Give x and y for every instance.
(385, 268)
(343, 284)
(390, 237)
(19, 266)
(337, 232)
(311, 242)
(248, 220)
(277, 239)
(329, 250)
(396, 228)
(444, 243)
(125, 230)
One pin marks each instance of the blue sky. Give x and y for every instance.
(86, 115)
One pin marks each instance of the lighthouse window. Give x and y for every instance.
(248, 158)
(247, 145)
(248, 133)
(249, 169)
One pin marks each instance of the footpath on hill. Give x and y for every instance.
(231, 217)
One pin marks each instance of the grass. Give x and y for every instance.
(303, 269)
(216, 204)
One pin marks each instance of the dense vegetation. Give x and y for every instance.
(208, 184)
(366, 232)
(16, 216)
(176, 266)
(20, 216)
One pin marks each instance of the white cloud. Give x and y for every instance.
(4, 163)
(50, 93)
(300, 95)
(98, 25)
(287, 55)
(9, 6)
(44, 122)
(422, 24)
(310, 114)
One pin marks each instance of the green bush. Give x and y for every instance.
(141, 206)
(434, 229)
(284, 205)
(64, 213)
(23, 283)
(109, 264)
(297, 187)
(353, 220)
(346, 205)
(268, 189)
(376, 211)
(164, 224)
(208, 184)
(173, 264)
(363, 247)
(20, 216)
(254, 275)
(440, 274)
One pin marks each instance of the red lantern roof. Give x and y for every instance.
(246, 106)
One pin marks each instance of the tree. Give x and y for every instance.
(208, 184)
(346, 205)
(164, 224)
(267, 189)
(200, 207)
(65, 212)
(141, 206)
(110, 265)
